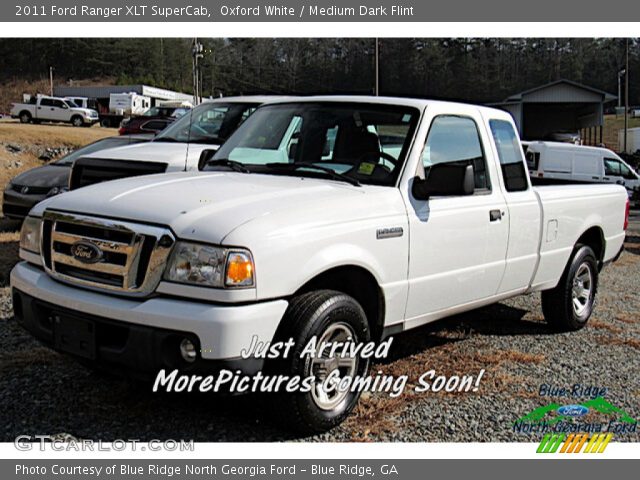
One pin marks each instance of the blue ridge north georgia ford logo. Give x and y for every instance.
(86, 252)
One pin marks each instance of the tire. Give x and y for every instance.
(105, 123)
(77, 121)
(569, 305)
(325, 314)
(25, 117)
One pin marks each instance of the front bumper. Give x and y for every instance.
(18, 205)
(142, 336)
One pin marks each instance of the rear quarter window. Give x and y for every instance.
(510, 155)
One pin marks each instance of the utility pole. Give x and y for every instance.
(377, 67)
(626, 98)
(51, 81)
(197, 53)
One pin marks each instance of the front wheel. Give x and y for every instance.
(77, 121)
(327, 316)
(569, 305)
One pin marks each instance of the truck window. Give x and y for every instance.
(612, 167)
(455, 139)
(46, 102)
(510, 155)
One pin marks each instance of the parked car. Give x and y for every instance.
(153, 120)
(33, 186)
(53, 109)
(178, 148)
(286, 235)
(554, 162)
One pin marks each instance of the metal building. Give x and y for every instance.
(558, 107)
(103, 92)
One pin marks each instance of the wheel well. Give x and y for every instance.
(25, 111)
(594, 238)
(358, 283)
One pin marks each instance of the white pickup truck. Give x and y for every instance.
(53, 109)
(178, 148)
(343, 218)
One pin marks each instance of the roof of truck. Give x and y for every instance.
(419, 103)
(249, 99)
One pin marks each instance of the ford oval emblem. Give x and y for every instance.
(573, 410)
(86, 252)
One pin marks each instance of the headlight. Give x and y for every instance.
(30, 234)
(56, 191)
(210, 266)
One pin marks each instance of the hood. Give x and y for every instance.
(45, 176)
(85, 111)
(205, 206)
(173, 154)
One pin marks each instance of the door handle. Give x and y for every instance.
(495, 215)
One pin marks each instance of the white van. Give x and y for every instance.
(554, 162)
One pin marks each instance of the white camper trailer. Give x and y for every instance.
(128, 104)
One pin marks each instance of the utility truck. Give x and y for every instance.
(344, 219)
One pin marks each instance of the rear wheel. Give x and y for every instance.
(25, 117)
(329, 316)
(569, 306)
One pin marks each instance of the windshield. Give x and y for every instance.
(208, 123)
(366, 142)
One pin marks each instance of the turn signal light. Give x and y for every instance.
(239, 270)
(626, 215)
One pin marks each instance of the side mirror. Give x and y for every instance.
(445, 179)
(205, 156)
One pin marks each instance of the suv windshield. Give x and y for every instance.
(208, 123)
(366, 142)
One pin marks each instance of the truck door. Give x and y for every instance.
(45, 109)
(523, 209)
(457, 244)
(60, 111)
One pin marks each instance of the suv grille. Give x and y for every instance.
(104, 254)
(87, 171)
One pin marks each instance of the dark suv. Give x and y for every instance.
(153, 120)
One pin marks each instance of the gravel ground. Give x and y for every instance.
(42, 392)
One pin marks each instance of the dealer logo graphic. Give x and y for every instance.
(574, 443)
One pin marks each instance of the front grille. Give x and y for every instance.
(126, 258)
(15, 211)
(88, 171)
(31, 190)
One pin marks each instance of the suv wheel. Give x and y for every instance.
(77, 121)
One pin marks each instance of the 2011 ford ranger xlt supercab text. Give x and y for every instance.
(340, 218)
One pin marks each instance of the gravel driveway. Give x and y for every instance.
(42, 392)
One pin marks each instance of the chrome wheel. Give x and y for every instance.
(326, 395)
(581, 289)
(77, 122)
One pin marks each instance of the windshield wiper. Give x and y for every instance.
(312, 166)
(225, 162)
